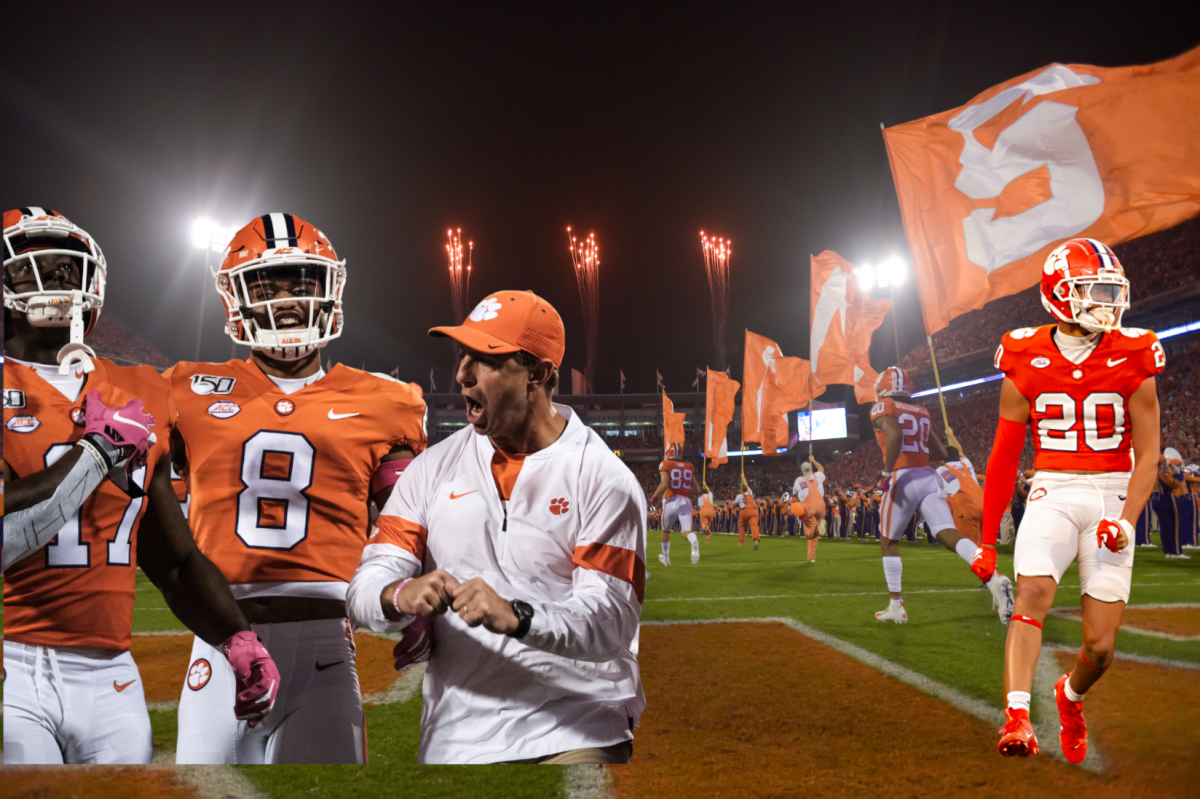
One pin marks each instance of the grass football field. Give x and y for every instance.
(712, 614)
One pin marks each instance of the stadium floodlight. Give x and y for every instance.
(208, 235)
(865, 275)
(891, 272)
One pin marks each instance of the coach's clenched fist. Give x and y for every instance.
(476, 603)
(427, 596)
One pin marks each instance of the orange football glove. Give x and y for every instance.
(984, 563)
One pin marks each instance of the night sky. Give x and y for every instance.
(385, 124)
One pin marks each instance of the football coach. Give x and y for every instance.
(523, 538)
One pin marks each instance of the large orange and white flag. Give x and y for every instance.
(719, 404)
(772, 385)
(844, 318)
(987, 190)
(790, 390)
(672, 425)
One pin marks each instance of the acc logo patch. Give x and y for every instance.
(23, 424)
(212, 384)
(13, 398)
(224, 410)
(284, 407)
(1036, 494)
(560, 506)
(1040, 362)
(78, 417)
(199, 673)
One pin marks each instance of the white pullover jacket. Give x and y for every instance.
(572, 544)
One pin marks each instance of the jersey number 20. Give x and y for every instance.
(272, 507)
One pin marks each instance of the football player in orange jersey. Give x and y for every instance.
(809, 490)
(905, 434)
(282, 460)
(675, 486)
(1086, 386)
(73, 539)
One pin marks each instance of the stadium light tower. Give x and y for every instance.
(211, 237)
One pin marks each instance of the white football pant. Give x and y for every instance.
(914, 488)
(318, 714)
(73, 705)
(677, 507)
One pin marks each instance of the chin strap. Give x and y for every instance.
(76, 353)
(1001, 476)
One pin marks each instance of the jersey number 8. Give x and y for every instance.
(272, 507)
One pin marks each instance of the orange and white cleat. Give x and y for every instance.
(1072, 729)
(893, 612)
(1016, 736)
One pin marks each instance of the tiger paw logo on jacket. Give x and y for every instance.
(560, 506)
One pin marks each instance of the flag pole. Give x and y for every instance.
(938, 380)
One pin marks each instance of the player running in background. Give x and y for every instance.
(707, 511)
(1086, 387)
(73, 539)
(809, 490)
(282, 460)
(905, 434)
(675, 486)
(747, 514)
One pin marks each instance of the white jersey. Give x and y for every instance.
(800, 487)
(572, 543)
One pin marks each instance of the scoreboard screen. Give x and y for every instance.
(825, 424)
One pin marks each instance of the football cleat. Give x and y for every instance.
(1072, 729)
(695, 555)
(756, 543)
(663, 559)
(1002, 597)
(895, 613)
(1016, 736)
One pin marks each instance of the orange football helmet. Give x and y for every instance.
(33, 236)
(1083, 282)
(276, 255)
(674, 451)
(893, 382)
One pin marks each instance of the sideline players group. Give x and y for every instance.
(283, 461)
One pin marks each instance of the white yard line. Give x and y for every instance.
(586, 782)
(1065, 613)
(1149, 660)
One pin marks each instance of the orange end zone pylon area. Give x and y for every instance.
(759, 710)
(93, 782)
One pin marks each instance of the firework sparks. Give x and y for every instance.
(460, 274)
(585, 255)
(717, 253)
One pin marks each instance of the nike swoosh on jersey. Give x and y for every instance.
(457, 496)
(1111, 362)
(120, 688)
(121, 418)
(322, 666)
(336, 416)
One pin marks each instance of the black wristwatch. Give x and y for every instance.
(524, 612)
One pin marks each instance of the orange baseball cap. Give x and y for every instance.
(509, 321)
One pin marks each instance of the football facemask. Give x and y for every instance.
(282, 287)
(54, 273)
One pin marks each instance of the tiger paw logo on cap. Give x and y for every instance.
(486, 309)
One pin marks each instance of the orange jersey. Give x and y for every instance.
(914, 429)
(679, 477)
(1079, 413)
(969, 498)
(706, 504)
(280, 482)
(749, 508)
(78, 589)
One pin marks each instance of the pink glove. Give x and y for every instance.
(414, 646)
(1108, 534)
(121, 436)
(257, 678)
(885, 482)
